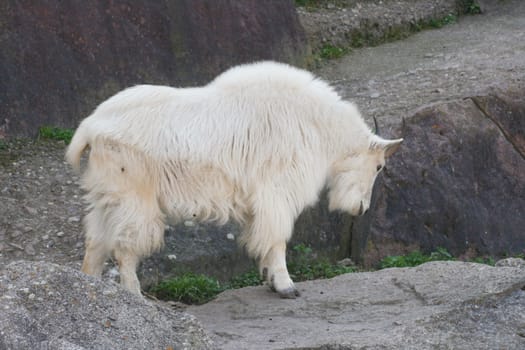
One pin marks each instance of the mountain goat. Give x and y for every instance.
(256, 145)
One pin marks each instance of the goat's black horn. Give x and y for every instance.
(376, 126)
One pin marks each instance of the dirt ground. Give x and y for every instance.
(40, 204)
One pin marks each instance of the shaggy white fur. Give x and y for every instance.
(256, 145)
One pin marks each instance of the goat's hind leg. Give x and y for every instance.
(139, 232)
(98, 243)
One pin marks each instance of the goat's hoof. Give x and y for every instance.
(289, 293)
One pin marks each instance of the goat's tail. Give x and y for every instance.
(77, 146)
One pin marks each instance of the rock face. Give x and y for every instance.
(458, 182)
(48, 306)
(59, 60)
(439, 305)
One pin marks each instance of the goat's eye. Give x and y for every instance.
(379, 167)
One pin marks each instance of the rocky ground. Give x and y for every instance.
(459, 60)
(41, 205)
(440, 305)
(50, 306)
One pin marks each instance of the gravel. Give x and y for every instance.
(40, 204)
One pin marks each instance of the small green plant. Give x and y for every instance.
(438, 23)
(188, 288)
(305, 266)
(473, 9)
(56, 133)
(415, 258)
(469, 7)
(332, 52)
(308, 3)
(247, 279)
(487, 260)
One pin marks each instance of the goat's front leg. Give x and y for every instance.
(266, 235)
(273, 268)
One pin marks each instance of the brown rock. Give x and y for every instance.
(59, 59)
(456, 183)
(507, 111)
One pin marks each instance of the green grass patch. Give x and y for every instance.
(415, 258)
(247, 279)
(308, 3)
(305, 266)
(330, 52)
(438, 23)
(469, 7)
(487, 260)
(56, 133)
(188, 288)
(198, 289)
(315, 4)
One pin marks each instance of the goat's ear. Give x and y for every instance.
(388, 146)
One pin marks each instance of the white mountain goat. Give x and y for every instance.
(256, 145)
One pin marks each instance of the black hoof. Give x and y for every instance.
(289, 293)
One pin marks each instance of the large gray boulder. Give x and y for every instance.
(438, 305)
(48, 306)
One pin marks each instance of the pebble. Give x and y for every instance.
(30, 210)
(60, 234)
(230, 236)
(172, 257)
(16, 233)
(375, 95)
(113, 273)
(346, 262)
(29, 249)
(73, 219)
(14, 245)
(189, 223)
